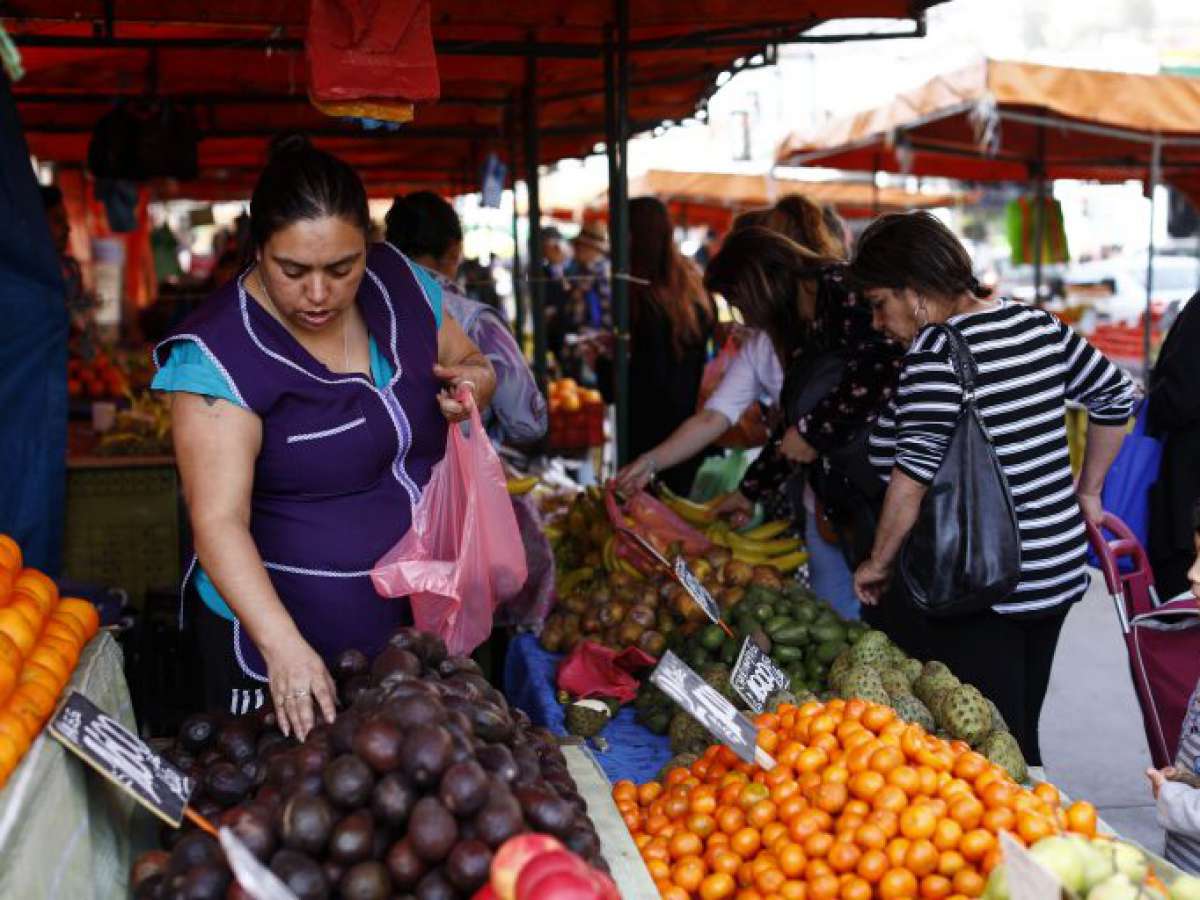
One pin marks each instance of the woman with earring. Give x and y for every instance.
(918, 280)
(309, 401)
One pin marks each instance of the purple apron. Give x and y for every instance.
(342, 463)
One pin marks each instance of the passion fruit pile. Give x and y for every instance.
(424, 774)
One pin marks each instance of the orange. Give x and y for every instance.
(999, 819)
(1081, 818)
(35, 672)
(684, 843)
(688, 873)
(627, 790)
(17, 728)
(896, 850)
(897, 883)
(10, 654)
(947, 834)
(730, 819)
(950, 862)
(792, 860)
(701, 825)
(769, 880)
(1047, 793)
(51, 657)
(843, 856)
(870, 836)
(35, 698)
(885, 759)
(936, 887)
(866, 784)
(7, 578)
(717, 886)
(906, 779)
(872, 865)
(66, 620)
(726, 861)
(10, 554)
(976, 844)
(16, 626)
(658, 869)
(56, 628)
(997, 794)
(668, 891)
(969, 882)
(824, 887)
(82, 610)
(888, 822)
(856, 889)
(921, 858)
(1032, 828)
(967, 812)
(817, 845)
(745, 842)
(890, 798)
(10, 755)
(876, 717)
(8, 682)
(69, 650)
(828, 797)
(917, 822)
(970, 766)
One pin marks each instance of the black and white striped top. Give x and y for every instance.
(1029, 365)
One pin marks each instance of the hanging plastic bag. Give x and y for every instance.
(463, 555)
(593, 670)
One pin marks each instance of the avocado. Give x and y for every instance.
(464, 788)
(432, 830)
(350, 663)
(306, 823)
(302, 876)
(352, 838)
(392, 800)
(378, 744)
(366, 881)
(468, 865)
(348, 781)
(403, 864)
(425, 754)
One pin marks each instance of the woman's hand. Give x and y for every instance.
(1157, 779)
(737, 507)
(635, 476)
(457, 378)
(297, 677)
(1092, 508)
(796, 448)
(871, 580)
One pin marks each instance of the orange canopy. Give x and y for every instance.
(1010, 121)
(241, 64)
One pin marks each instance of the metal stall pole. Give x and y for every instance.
(616, 107)
(537, 287)
(1039, 214)
(1148, 316)
(520, 293)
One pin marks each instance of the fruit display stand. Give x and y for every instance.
(633, 751)
(64, 832)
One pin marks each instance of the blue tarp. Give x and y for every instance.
(529, 676)
(33, 357)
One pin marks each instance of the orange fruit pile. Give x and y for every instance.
(859, 804)
(41, 637)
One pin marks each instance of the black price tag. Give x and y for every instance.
(696, 590)
(755, 676)
(699, 700)
(122, 757)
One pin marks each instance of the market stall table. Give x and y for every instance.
(65, 831)
(633, 753)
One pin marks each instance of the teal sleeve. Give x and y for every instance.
(189, 369)
(433, 291)
(209, 594)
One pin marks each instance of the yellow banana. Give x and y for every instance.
(789, 562)
(624, 565)
(518, 486)
(691, 511)
(571, 580)
(764, 548)
(609, 554)
(766, 530)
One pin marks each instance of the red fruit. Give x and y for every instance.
(511, 858)
(564, 884)
(606, 888)
(530, 883)
(484, 893)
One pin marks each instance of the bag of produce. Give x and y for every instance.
(463, 554)
(593, 670)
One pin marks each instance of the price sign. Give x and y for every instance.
(699, 700)
(755, 676)
(696, 590)
(256, 879)
(122, 757)
(1027, 878)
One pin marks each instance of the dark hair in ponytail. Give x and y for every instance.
(300, 182)
(913, 250)
(423, 224)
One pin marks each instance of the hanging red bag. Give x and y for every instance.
(462, 556)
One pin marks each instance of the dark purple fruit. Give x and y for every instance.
(467, 866)
(456, 664)
(582, 841)
(425, 754)
(464, 788)
(490, 723)
(179, 758)
(366, 881)
(197, 732)
(208, 757)
(435, 886)
(348, 781)
(149, 864)
(353, 689)
(237, 740)
(150, 888)
(226, 784)
(405, 867)
(252, 826)
(310, 784)
(392, 800)
(394, 660)
(303, 877)
(432, 830)
(350, 663)
(333, 871)
(499, 820)
(306, 823)
(282, 768)
(353, 838)
(256, 771)
(378, 743)
(528, 764)
(207, 882)
(342, 731)
(311, 758)
(404, 638)
(545, 811)
(194, 849)
(498, 760)
(411, 710)
(431, 649)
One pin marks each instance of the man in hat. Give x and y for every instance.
(588, 275)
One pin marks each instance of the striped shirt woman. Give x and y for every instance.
(914, 273)
(1029, 364)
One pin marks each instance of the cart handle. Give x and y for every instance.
(1110, 553)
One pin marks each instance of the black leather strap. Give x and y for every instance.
(961, 359)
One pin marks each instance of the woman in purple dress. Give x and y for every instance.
(310, 398)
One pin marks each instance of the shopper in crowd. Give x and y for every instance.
(588, 276)
(562, 314)
(916, 275)
(79, 303)
(799, 299)
(672, 318)
(1177, 788)
(1174, 417)
(309, 404)
(427, 230)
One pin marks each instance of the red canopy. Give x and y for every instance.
(242, 65)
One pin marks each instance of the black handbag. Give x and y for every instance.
(963, 555)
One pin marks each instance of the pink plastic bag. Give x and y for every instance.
(463, 555)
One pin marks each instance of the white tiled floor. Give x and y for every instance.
(1093, 743)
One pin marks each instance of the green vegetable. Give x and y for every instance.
(782, 653)
(711, 637)
(794, 635)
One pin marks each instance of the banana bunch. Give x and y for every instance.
(520, 486)
(700, 515)
(760, 546)
(144, 428)
(615, 563)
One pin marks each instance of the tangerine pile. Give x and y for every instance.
(41, 638)
(860, 804)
